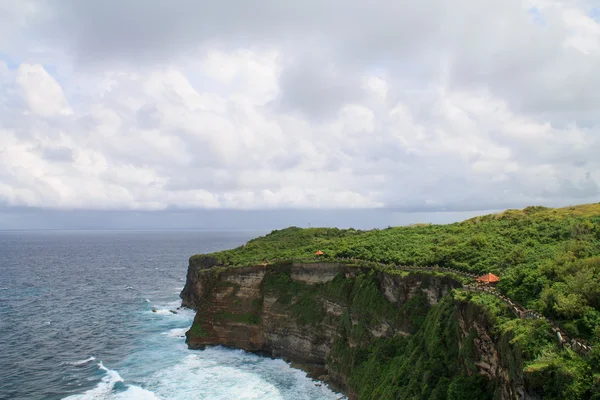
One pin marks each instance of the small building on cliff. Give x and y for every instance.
(488, 279)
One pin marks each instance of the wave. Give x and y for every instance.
(136, 393)
(173, 309)
(163, 368)
(81, 362)
(177, 332)
(103, 389)
(218, 373)
(112, 387)
(162, 311)
(214, 374)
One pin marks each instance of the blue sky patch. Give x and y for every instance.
(10, 63)
(537, 16)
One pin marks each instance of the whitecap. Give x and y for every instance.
(177, 332)
(166, 369)
(147, 300)
(105, 389)
(128, 287)
(174, 308)
(81, 362)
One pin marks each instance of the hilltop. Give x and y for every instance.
(548, 260)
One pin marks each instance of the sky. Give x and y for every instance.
(131, 113)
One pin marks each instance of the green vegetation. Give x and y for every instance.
(245, 318)
(361, 294)
(434, 363)
(548, 260)
(428, 365)
(196, 330)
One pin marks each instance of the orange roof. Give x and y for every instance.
(318, 253)
(488, 278)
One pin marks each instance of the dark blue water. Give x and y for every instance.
(77, 321)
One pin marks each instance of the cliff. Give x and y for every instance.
(382, 330)
(369, 333)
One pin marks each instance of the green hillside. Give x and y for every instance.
(548, 258)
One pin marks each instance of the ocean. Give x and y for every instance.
(77, 322)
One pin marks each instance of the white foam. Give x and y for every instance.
(177, 332)
(105, 389)
(223, 374)
(110, 372)
(166, 369)
(136, 393)
(174, 309)
(147, 300)
(162, 311)
(81, 362)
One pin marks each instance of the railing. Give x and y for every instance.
(520, 311)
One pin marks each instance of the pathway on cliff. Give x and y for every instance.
(520, 311)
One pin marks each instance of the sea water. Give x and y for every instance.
(87, 315)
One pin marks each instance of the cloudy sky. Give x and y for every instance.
(118, 107)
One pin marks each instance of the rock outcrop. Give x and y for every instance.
(316, 315)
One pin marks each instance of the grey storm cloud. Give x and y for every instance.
(434, 105)
(329, 44)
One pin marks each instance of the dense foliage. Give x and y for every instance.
(437, 361)
(548, 260)
(431, 364)
(427, 364)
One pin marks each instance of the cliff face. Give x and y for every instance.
(329, 319)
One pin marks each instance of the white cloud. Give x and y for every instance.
(42, 93)
(395, 106)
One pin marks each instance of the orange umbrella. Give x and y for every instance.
(318, 253)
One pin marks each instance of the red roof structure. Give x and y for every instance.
(318, 253)
(488, 278)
